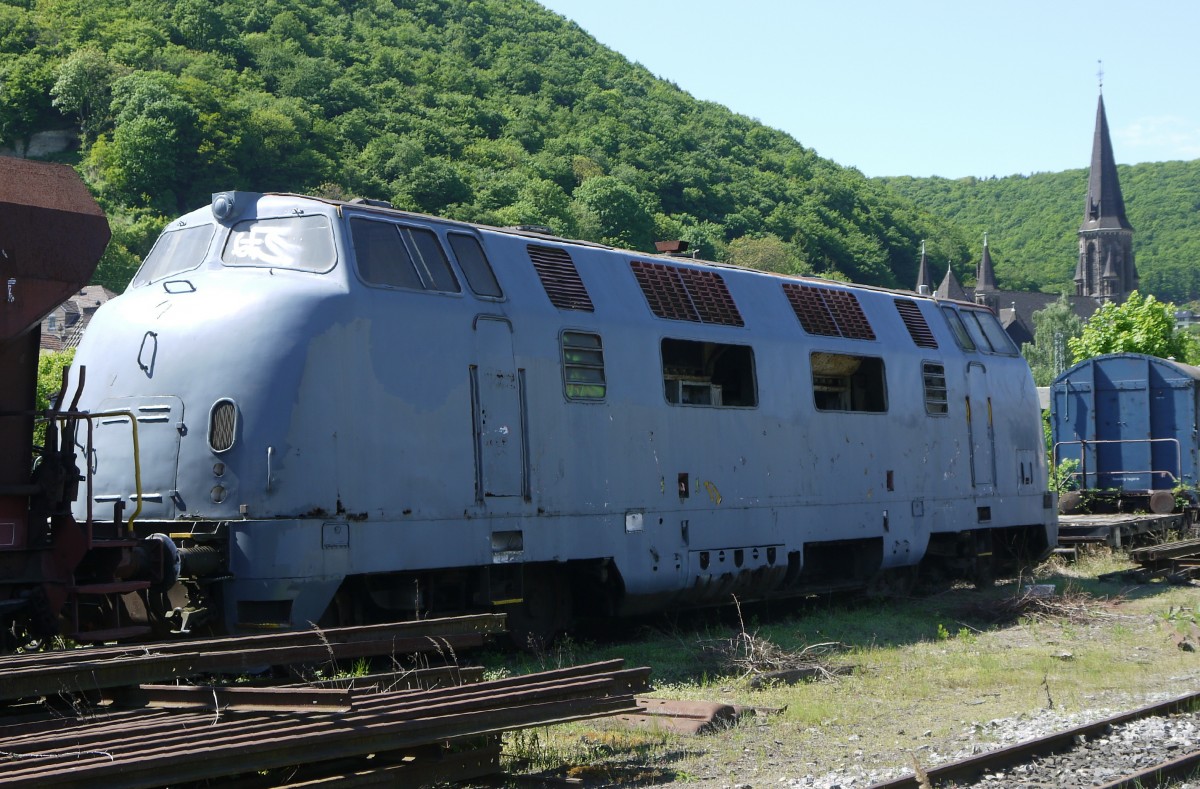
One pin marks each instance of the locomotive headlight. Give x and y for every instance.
(223, 205)
(218, 469)
(218, 494)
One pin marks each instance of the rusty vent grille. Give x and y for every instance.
(684, 294)
(910, 313)
(828, 312)
(560, 279)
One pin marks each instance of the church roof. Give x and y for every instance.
(1105, 206)
(951, 288)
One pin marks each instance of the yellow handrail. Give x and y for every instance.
(137, 462)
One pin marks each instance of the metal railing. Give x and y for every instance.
(1084, 445)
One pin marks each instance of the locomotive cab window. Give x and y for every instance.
(583, 366)
(708, 374)
(301, 243)
(174, 252)
(399, 256)
(843, 382)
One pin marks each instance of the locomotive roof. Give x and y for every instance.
(385, 208)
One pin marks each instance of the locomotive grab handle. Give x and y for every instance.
(137, 462)
(270, 454)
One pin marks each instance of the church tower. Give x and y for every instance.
(986, 292)
(1105, 270)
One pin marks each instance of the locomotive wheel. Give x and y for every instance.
(545, 611)
(892, 583)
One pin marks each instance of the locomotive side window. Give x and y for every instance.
(399, 256)
(960, 331)
(993, 337)
(431, 261)
(474, 265)
(302, 243)
(708, 373)
(583, 366)
(381, 256)
(174, 252)
(934, 376)
(842, 382)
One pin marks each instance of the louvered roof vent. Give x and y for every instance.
(686, 294)
(828, 312)
(560, 278)
(915, 322)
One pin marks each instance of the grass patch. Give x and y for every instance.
(928, 675)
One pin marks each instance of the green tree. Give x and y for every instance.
(767, 253)
(1048, 354)
(49, 382)
(25, 99)
(611, 211)
(1141, 324)
(84, 88)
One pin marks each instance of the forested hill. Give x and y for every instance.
(1032, 223)
(497, 111)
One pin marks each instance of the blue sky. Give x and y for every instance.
(951, 88)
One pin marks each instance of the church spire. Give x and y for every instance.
(1105, 206)
(924, 278)
(985, 280)
(985, 277)
(1105, 269)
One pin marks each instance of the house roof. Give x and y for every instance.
(75, 313)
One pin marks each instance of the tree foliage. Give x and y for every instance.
(1049, 353)
(1141, 324)
(502, 112)
(1033, 221)
(496, 111)
(49, 382)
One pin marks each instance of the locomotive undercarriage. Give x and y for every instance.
(541, 599)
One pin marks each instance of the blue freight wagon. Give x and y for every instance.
(1129, 421)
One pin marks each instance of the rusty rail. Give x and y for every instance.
(146, 748)
(88, 670)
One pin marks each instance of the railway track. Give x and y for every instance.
(1142, 748)
(94, 717)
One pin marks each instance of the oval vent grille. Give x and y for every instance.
(222, 425)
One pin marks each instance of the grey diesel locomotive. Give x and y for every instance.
(345, 413)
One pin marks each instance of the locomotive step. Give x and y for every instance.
(116, 587)
(112, 634)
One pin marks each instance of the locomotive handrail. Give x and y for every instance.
(137, 461)
(1084, 443)
(137, 464)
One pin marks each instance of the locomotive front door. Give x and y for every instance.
(979, 427)
(115, 461)
(497, 392)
